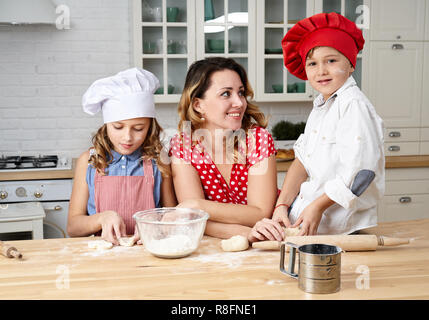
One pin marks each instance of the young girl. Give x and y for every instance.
(337, 178)
(235, 182)
(122, 173)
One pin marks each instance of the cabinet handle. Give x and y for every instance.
(397, 46)
(405, 199)
(56, 208)
(394, 148)
(394, 134)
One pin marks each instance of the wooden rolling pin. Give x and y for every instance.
(346, 242)
(8, 251)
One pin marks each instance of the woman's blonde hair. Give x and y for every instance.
(151, 149)
(198, 80)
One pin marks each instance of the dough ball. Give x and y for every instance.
(126, 241)
(100, 244)
(235, 243)
(289, 232)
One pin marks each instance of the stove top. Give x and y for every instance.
(31, 163)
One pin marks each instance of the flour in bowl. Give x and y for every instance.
(171, 247)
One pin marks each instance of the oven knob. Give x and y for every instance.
(3, 195)
(38, 194)
(21, 192)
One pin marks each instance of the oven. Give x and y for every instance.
(53, 194)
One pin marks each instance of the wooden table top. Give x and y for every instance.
(68, 269)
(391, 162)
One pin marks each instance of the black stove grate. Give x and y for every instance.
(28, 162)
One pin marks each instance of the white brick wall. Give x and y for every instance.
(44, 73)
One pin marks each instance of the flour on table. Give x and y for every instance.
(236, 259)
(170, 247)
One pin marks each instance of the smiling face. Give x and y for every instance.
(224, 102)
(327, 70)
(128, 135)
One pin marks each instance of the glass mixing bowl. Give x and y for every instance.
(171, 232)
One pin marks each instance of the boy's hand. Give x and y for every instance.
(281, 216)
(309, 219)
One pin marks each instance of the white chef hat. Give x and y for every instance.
(126, 95)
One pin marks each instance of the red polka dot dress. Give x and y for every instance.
(260, 145)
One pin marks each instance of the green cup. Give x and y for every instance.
(171, 46)
(291, 88)
(277, 88)
(149, 47)
(300, 87)
(172, 13)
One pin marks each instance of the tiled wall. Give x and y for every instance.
(45, 71)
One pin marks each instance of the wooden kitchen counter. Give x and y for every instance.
(391, 162)
(68, 269)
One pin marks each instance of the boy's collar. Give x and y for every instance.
(319, 101)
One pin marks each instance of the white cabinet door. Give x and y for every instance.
(395, 77)
(274, 19)
(397, 20)
(227, 28)
(164, 42)
(425, 97)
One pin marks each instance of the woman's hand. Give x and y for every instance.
(112, 226)
(266, 229)
(281, 216)
(309, 219)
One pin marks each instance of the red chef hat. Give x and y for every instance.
(322, 29)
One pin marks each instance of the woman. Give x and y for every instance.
(223, 160)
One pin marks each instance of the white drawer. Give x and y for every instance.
(401, 148)
(401, 134)
(407, 186)
(403, 207)
(394, 174)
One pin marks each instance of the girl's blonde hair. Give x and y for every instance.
(151, 149)
(198, 80)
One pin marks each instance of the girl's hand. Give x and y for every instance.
(266, 229)
(309, 219)
(281, 216)
(112, 226)
(190, 203)
(136, 236)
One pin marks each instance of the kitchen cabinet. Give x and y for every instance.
(397, 20)
(226, 28)
(397, 77)
(274, 19)
(394, 82)
(164, 34)
(401, 141)
(406, 195)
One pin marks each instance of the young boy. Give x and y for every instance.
(333, 185)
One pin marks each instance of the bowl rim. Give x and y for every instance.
(205, 215)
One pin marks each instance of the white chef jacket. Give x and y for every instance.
(342, 136)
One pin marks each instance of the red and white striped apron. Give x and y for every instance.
(125, 194)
